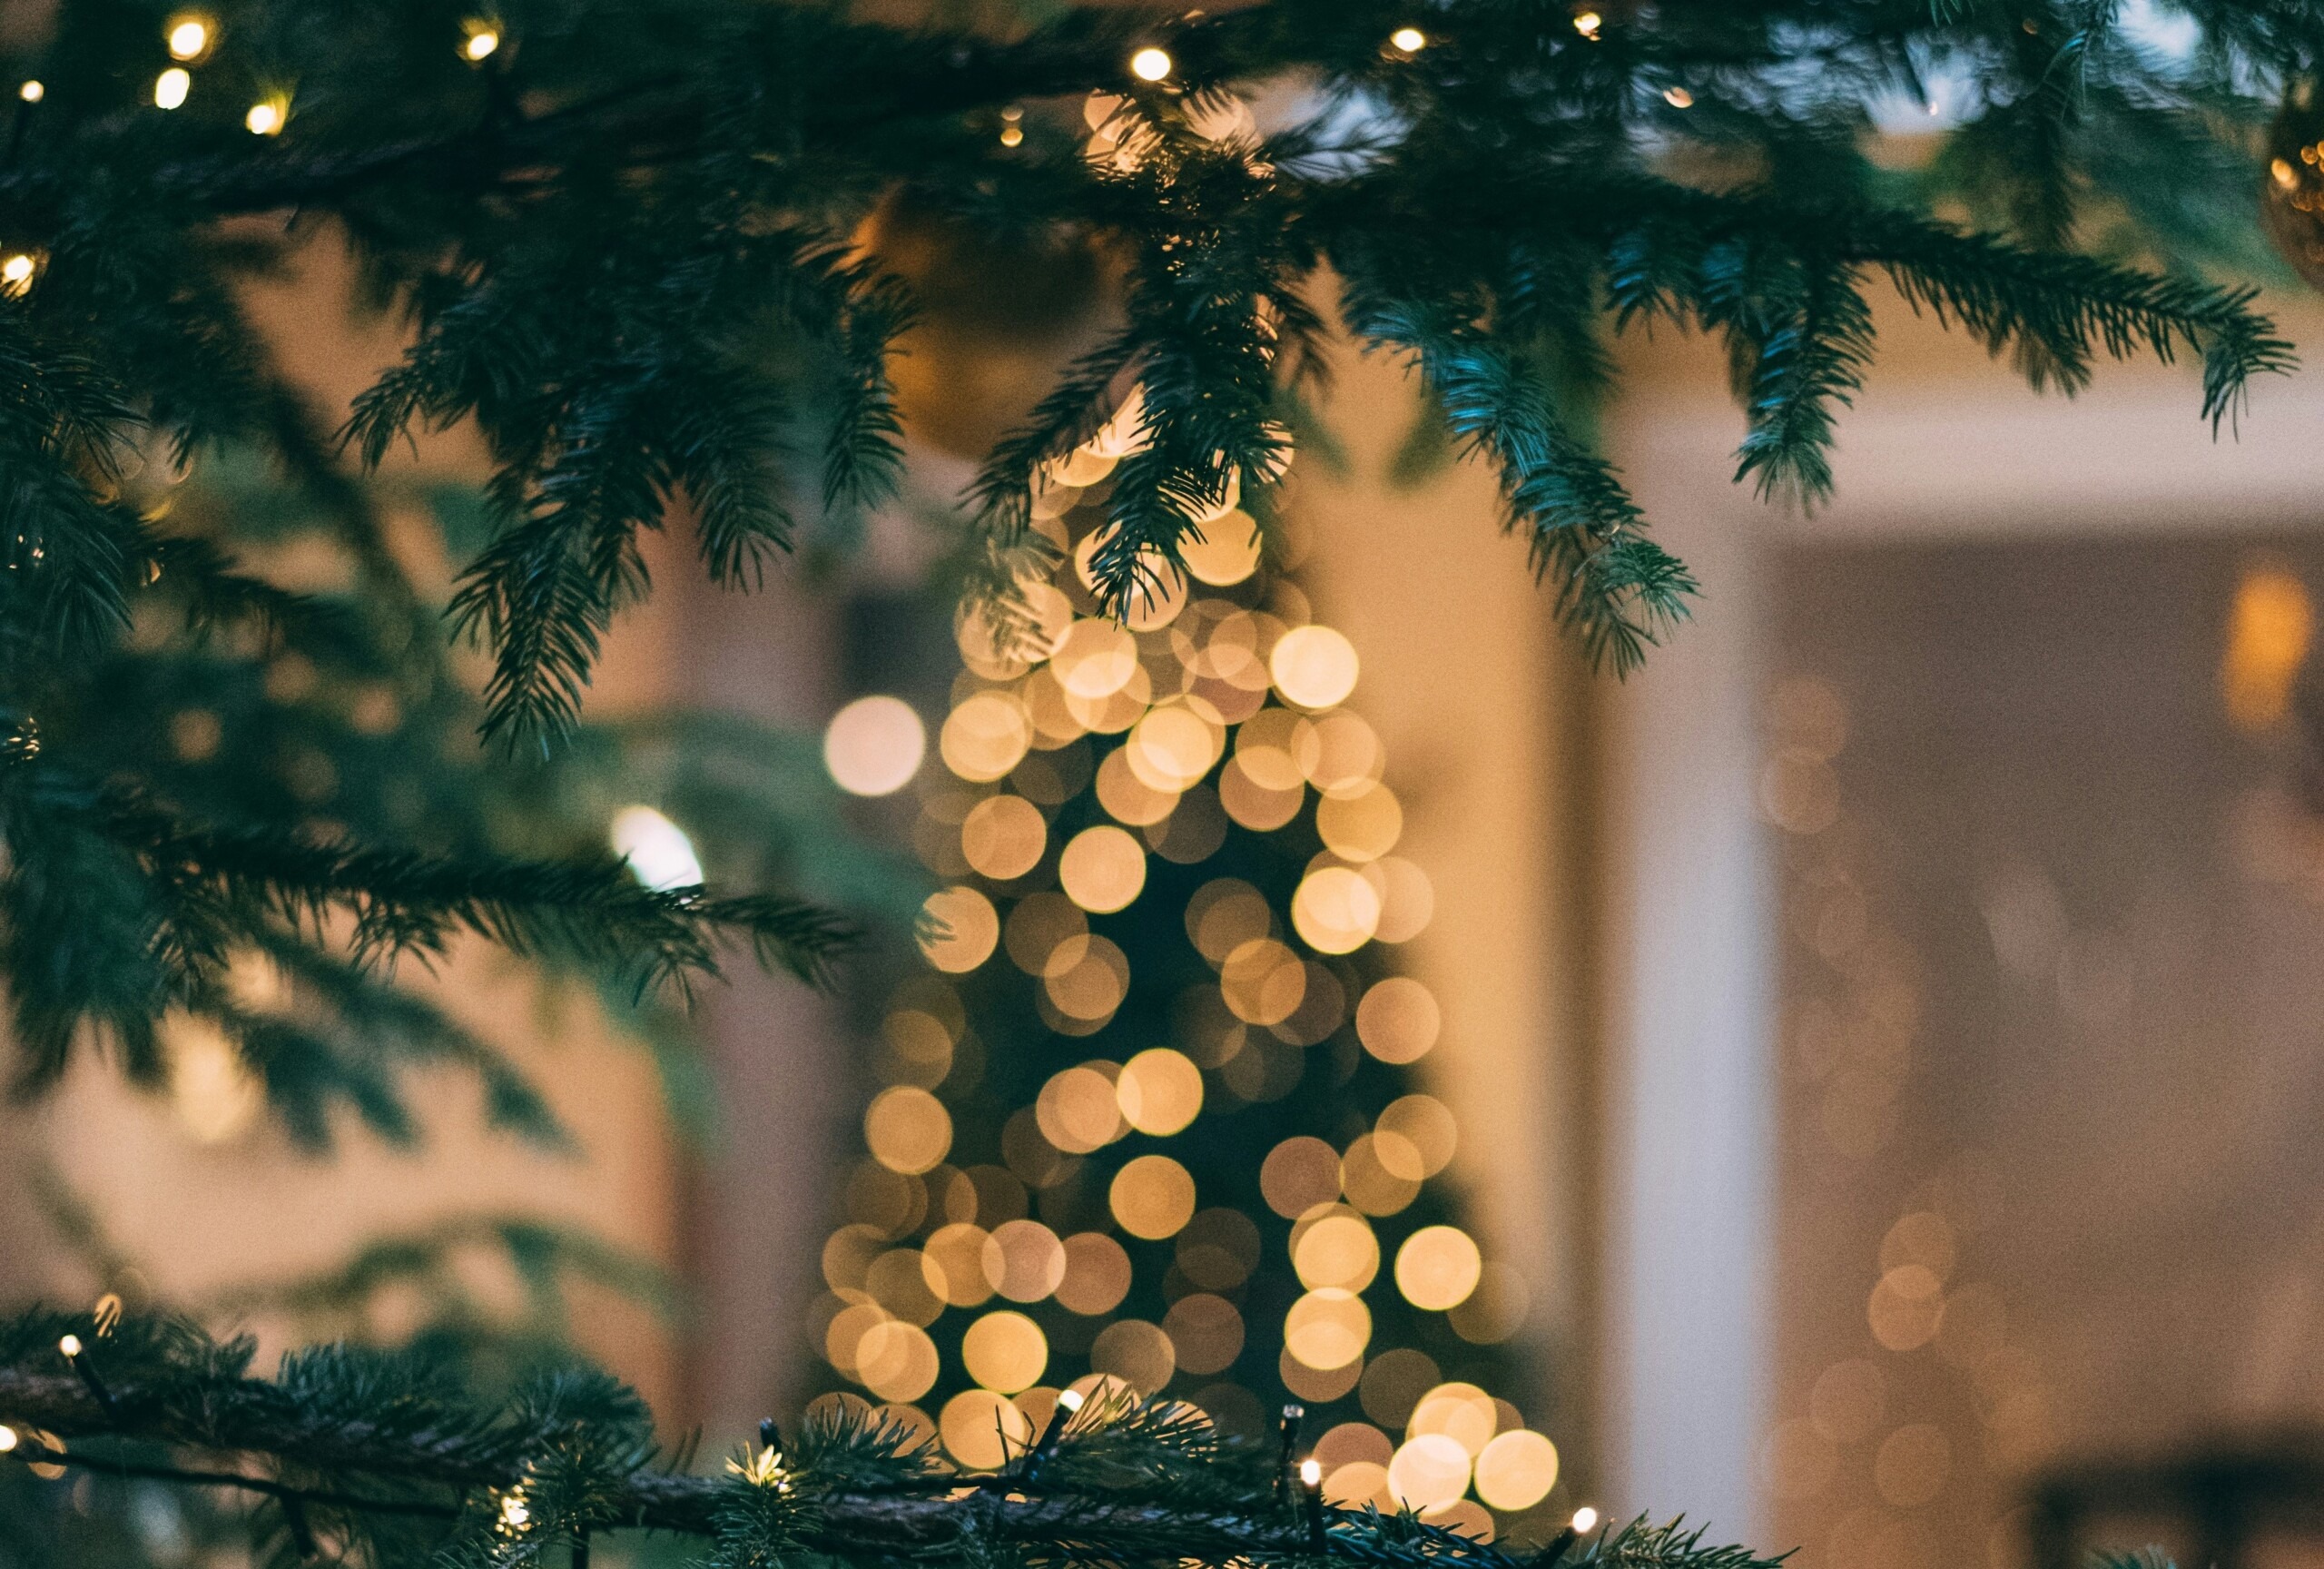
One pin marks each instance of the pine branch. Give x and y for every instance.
(361, 1434)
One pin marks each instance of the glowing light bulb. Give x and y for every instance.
(70, 1345)
(265, 118)
(7, 1439)
(172, 85)
(1678, 98)
(188, 36)
(513, 1513)
(1011, 135)
(1409, 40)
(1150, 64)
(1587, 23)
(16, 274)
(483, 39)
(1071, 1399)
(659, 854)
(1585, 1518)
(1311, 1473)
(32, 91)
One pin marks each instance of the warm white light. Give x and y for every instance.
(172, 85)
(7, 1439)
(1311, 1473)
(513, 1512)
(1409, 39)
(70, 1345)
(1150, 64)
(188, 37)
(482, 40)
(1585, 1518)
(874, 746)
(1587, 23)
(1069, 1398)
(32, 91)
(264, 118)
(658, 850)
(1678, 98)
(16, 274)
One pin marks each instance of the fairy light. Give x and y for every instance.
(1587, 23)
(7, 1439)
(75, 1353)
(172, 85)
(70, 1345)
(1011, 131)
(1408, 40)
(1585, 1518)
(32, 91)
(266, 117)
(1069, 1403)
(188, 36)
(1150, 64)
(1310, 1491)
(515, 1514)
(483, 38)
(17, 275)
(1678, 98)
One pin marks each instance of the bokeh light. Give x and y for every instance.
(1103, 869)
(1438, 1266)
(1314, 667)
(1160, 1091)
(1152, 1197)
(874, 746)
(1517, 1470)
(908, 1130)
(1005, 1351)
(658, 850)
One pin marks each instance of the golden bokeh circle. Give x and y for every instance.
(1005, 1351)
(1438, 1266)
(1416, 1136)
(1298, 1174)
(981, 1430)
(907, 1129)
(1428, 1471)
(1368, 1182)
(1362, 825)
(1078, 1109)
(896, 1361)
(1339, 1249)
(952, 1262)
(1227, 553)
(985, 737)
(1398, 1020)
(1135, 1351)
(1103, 869)
(960, 931)
(873, 746)
(1462, 1412)
(1152, 1197)
(1334, 909)
(1328, 1328)
(1160, 1091)
(1023, 1260)
(1003, 837)
(1517, 1470)
(1314, 667)
(1206, 1332)
(1263, 981)
(1097, 1273)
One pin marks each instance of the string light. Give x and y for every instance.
(1150, 64)
(1311, 1488)
(1408, 40)
(74, 1353)
(1587, 23)
(188, 36)
(7, 1439)
(17, 275)
(172, 85)
(266, 117)
(1585, 1518)
(32, 91)
(483, 38)
(1678, 98)
(1011, 133)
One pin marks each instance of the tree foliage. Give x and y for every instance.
(631, 248)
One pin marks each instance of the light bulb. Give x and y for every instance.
(188, 36)
(70, 1345)
(7, 1439)
(1585, 1518)
(16, 274)
(1587, 23)
(659, 854)
(1311, 1473)
(1150, 64)
(1678, 98)
(265, 118)
(483, 39)
(1409, 39)
(172, 85)
(32, 91)
(1071, 1399)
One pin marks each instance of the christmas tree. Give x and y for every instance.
(1147, 1124)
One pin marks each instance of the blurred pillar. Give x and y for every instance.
(1687, 1094)
(755, 1208)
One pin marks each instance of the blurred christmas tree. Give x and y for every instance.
(1151, 1118)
